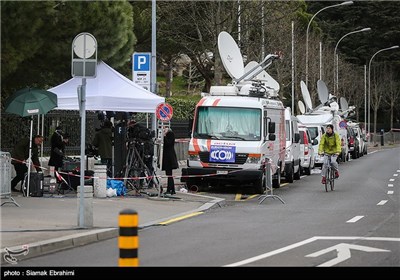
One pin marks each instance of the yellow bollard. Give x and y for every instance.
(128, 240)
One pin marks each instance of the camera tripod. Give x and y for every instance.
(139, 164)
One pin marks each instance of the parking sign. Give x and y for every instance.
(141, 69)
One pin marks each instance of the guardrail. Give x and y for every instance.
(5, 178)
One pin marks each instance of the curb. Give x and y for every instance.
(79, 239)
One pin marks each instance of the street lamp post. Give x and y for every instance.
(336, 57)
(369, 87)
(308, 27)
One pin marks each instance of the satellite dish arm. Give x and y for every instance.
(268, 59)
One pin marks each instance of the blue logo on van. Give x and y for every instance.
(222, 154)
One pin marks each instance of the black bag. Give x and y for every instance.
(35, 184)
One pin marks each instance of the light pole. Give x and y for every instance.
(308, 27)
(369, 87)
(336, 57)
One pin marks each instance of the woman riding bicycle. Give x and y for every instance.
(330, 146)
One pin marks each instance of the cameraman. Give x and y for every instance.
(103, 142)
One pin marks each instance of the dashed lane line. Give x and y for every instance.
(382, 202)
(355, 219)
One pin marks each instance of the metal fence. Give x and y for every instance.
(389, 138)
(5, 178)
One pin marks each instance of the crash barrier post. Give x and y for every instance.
(5, 178)
(87, 206)
(128, 240)
(382, 140)
(100, 180)
(268, 179)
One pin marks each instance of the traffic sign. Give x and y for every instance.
(343, 124)
(164, 112)
(141, 69)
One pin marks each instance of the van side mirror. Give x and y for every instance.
(271, 137)
(271, 127)
(315, 141)
(296, 137)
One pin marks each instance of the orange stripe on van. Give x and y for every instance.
(216, 101)
(196, 145)
(208, 144)
(201, 102)
(255, 155)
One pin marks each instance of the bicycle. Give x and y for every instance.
(330, 174)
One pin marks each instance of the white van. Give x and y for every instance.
(307, 159)
(292, 148)
(232, 139)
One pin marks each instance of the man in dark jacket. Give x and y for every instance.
(19, 154)
(58, 141)
(169, 160)
(103, 142)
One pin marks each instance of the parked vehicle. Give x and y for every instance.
(353, 143)
(233, 137)
(238, 132)
(292, 152)
(362, 148)
(307, 159)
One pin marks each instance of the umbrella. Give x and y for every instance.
(28, 102)
(31, 101)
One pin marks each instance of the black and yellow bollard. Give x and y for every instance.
(128, 240)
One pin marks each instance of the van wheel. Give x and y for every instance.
(260, 185)
(289, 173)
(194, 185)
(307, 171)
(276, 183)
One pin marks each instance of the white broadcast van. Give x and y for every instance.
(238, 129)
(292, 152)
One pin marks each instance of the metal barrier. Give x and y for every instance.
(5, 178)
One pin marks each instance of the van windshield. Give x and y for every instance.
(228, 123)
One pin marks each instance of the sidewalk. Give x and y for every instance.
(50, 223)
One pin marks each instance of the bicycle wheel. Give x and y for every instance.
(328, 178)
(332, 180)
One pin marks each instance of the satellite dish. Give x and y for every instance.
(323, 93)
(301, 107)
(334, 106)
(247, 69)
(271, 84)
(230, 55)
(343, 104)
(306, 95)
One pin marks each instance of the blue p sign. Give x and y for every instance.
(141, 62)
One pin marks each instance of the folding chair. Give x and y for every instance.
(61, 183)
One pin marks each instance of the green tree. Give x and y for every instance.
(39, 54)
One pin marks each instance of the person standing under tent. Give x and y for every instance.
(19, 154)
(58, 141)
(103, 142)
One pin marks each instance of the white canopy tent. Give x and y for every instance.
(109, 91)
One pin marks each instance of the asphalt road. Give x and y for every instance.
(357, 225)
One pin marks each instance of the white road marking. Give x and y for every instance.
(395, 175)
(373, 152)
(398, 170)
(390, 192)
(309, 240)
(390, 185)
(355, 219)
(382, 202)
(391, 180)
(343, 252)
